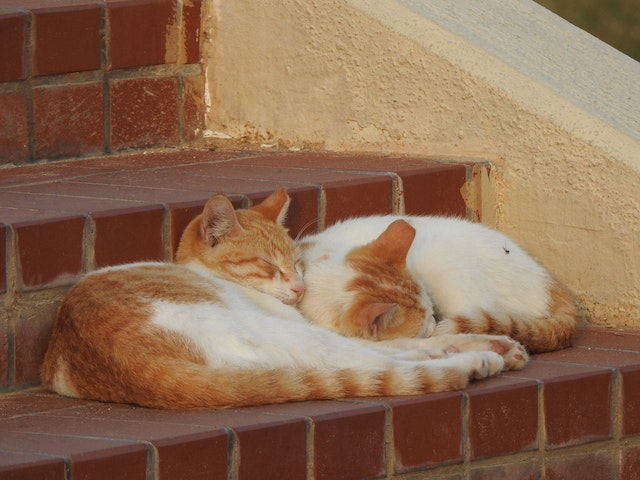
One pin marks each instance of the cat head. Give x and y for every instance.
(366, 291)
(249, 247)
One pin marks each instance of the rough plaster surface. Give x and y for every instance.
(555, 111)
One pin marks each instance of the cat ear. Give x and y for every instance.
(275, 206)
(393, 244)
(377, 316)
(219, 220)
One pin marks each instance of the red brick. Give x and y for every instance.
(144, 112)
(14, 133)
(427, 430)
(259, 437)
(349, 444)
(569, 419)
(594, 466)
(50, 172)
(262, 446)
(198, 455)
(259, 171)
(140, 31)
(608, 338)
(13, 34)
(434, 191)
(90, 457)
(353, 198)
(49, 253)
(67, 38)
(429, 187)
(191, 31)
(630, 400)
(630, 467)
(19, 466)
(131, 235)
(32, 331)
(34, 401)
(503, 416)
(187, 443)
(593, 356)
(510, 471)
(68, 120)
(348, 438)
(3, 257)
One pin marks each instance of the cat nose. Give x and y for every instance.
(298, 290)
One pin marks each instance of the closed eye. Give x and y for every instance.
(269, 263)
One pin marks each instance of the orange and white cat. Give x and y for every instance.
(219, 329)
(468, 279)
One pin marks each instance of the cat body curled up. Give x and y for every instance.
(219, 328)
(476, 280)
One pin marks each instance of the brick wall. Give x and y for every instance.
(89, 77)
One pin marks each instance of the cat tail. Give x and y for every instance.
(198, 386)
(544, 334)
(240, 388)
(181, 384)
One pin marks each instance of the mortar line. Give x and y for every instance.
(89, 244)
(322, 208)
(399, 206)
(233, 453)
(27, 88)
(466, 440)
(310, 434)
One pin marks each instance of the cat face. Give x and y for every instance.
(367, 291)
(249, 247)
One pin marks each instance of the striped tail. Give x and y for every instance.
(544, 334)
(180, 384)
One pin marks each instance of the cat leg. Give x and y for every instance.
(514, 353)
(477, 364)
(404, 349)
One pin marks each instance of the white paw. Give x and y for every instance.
(486, 364)
(514, 354)
(516, 357)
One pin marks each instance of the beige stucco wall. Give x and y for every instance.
(555, 111)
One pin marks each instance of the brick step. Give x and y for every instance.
(570, 414)
(567, 411)
(60, 220)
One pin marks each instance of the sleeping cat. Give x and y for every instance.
(467, 277)
(219, 329)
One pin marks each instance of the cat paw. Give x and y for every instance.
(514, 354)
(486, 364)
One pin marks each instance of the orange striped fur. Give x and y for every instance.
(394, 277)
(218, 329)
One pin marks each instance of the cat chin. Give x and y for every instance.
(289, 301)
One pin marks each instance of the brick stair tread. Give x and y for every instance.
(87, 186)
(539, 409)
(40, 431)
(157, 191)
